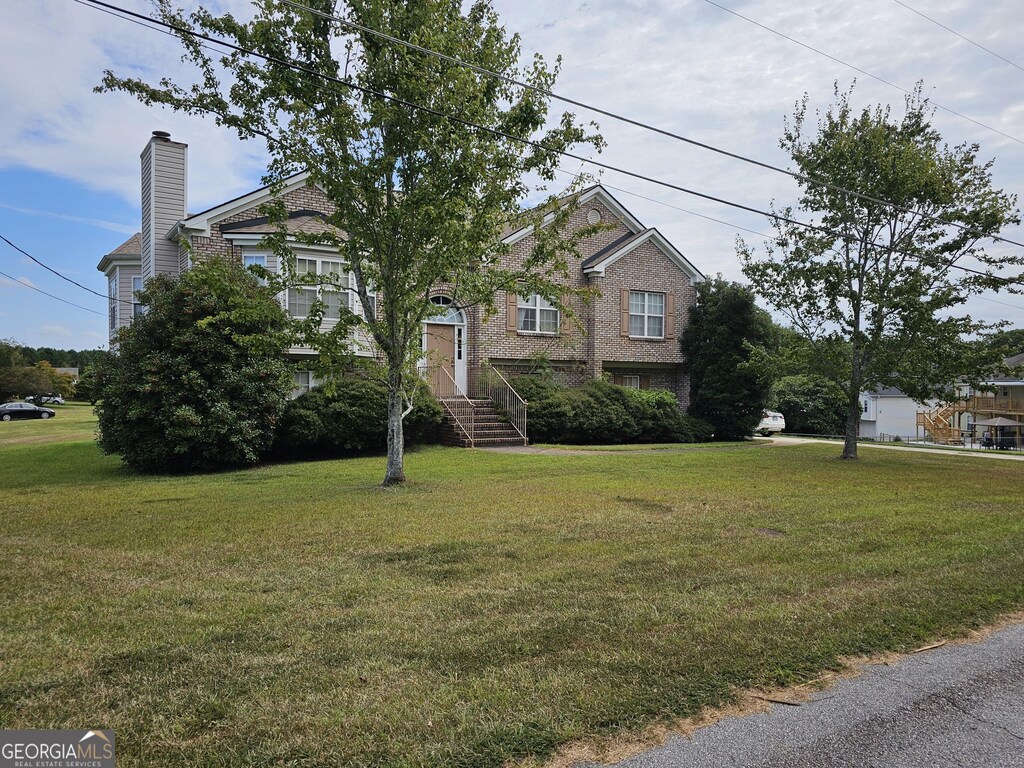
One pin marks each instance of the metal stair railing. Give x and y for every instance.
(455, 402)
(506, 399)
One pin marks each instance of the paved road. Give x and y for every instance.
(783, 440)
(778, 441)
(958, 706)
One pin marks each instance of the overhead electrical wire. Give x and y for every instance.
(501, 134)
(674, 207)
(59, 274)
(864, 72)
(962, 37)
(628, 120)
(40, 290)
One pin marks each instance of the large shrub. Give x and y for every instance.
(199, 380)
(351, 417)
(811, 404)
(600, 413)
(725, 327)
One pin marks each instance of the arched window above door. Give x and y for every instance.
(447, 312)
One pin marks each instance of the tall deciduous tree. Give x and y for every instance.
(727, 388)
(425, 160)
(876, 289)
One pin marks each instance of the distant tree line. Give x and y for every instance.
(60, 358)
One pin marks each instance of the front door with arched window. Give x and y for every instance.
(444, 345)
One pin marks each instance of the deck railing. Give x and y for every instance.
(455, 402)
(508, 402)
(995, 403)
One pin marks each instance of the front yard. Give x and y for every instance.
(497, 606)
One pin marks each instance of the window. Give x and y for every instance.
(535, 314)
(255, 260)
(631, 382)
(112, 304)
(334, 297)
(138, 307)
(647, 314)
(303, 381)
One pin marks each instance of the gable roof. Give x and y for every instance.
(201, 222)
(306, 221)
(612, 247)
(600, 261)
(593, 193)
(1016, 361)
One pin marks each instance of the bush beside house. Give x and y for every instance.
(199, 379)
(600, 413)
(351, 417)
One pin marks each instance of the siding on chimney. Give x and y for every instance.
(164, 182)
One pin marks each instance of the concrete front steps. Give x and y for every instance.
(489, 428)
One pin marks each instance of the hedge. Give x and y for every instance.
(601, 413)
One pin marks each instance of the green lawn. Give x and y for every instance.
(74, 421)
(497, 606)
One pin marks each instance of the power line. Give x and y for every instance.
(637, 123)
(675, 207)
(1005, 304)
(454, 118)
(58, 274)
(40, 290)
(858, 69)
(962, 37)
(501, 134)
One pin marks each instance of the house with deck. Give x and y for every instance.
(991, 415)
(644, 287)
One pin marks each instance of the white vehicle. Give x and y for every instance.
(58, 399)
(771, 422)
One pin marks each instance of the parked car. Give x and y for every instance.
(771, 422)
(10, 411)
(57, 399)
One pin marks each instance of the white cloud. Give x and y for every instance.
(22, 282)
(55, 330)
(685, 66)
(113, 226)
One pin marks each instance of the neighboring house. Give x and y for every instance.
(888, 412)
(630, 332)
(999, 397)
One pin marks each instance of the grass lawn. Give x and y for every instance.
(497, 606)
(74, 421)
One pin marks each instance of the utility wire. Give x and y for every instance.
(501, 134)
(58, 274)
(454, 118)
(637, 123)
(40, 290)
(858, 69)
(962, 37)
(655, 200)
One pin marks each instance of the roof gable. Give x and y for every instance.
(201, 222)
(591, 194)
(606, 257)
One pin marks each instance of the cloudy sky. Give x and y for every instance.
(69, 163)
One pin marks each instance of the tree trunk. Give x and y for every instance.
(395, 472)
(852, 420)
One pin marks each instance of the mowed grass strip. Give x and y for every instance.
(74, 421)
(496, 607)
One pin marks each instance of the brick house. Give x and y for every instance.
(628, 332)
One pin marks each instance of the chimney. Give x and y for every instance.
(164, 178)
